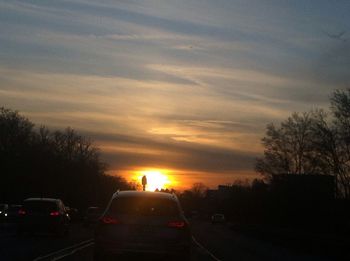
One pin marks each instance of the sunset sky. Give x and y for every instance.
(181, 87)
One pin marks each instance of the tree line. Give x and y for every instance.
(39, 162)
(314, 142)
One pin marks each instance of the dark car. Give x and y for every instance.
(11, 214)
(143, 222)
(3, 209)
(92, 215)
(43, 215)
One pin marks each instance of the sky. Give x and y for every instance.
(185, 87)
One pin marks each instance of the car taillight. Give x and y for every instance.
(177, 224)
(110, 220)
(54, 213)
(21, 212)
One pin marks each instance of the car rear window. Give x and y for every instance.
(144, 206)
(40, 206)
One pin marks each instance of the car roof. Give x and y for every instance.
(42, 199)
(218, 214)
(148, 194)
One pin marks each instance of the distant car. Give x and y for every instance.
(3, 209)
(218, 218)
(46, 215)
(11, 214)
(73, 214)
(92, 215)
(144, 223)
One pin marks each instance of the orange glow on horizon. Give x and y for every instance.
(156, 179)
(180, 180)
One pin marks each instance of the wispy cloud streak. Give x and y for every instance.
(186, 85)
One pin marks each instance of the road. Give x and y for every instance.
(210, 242)
(227, 244)
(13, 247)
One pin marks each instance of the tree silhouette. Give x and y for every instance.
(59, 164)
(311, 143)
(340, 106)
(289, 148)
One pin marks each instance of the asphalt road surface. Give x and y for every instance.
(210, 242)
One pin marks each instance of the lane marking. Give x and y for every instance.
(206, 250)
(73, 251)
(87, 243)
(64, 249)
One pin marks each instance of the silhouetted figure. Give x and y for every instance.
(144, 182)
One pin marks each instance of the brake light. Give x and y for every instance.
(176, 224)
(55, 213)
(110, 220)
(21, 212)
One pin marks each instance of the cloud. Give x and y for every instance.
(183, 84)
(171, 154)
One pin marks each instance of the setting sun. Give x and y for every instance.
(156, 179)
